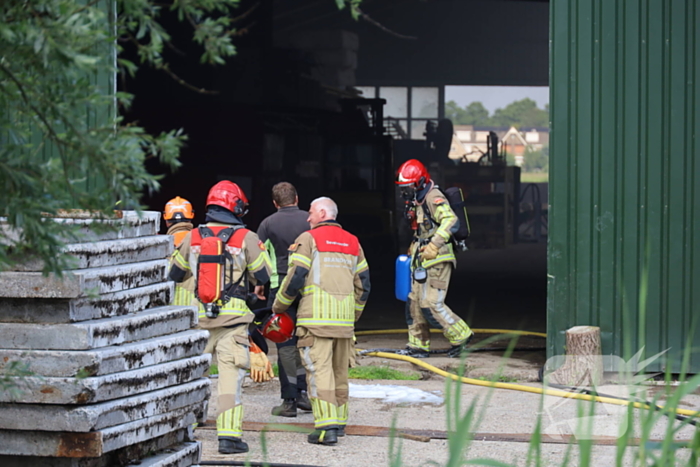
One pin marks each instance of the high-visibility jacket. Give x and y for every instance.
(184, 291)
(327, 267)
(251, 258)
(437, 227)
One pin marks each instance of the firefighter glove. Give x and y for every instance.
(429, 251)
(260, 367)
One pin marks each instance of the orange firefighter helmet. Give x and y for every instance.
(178, 209)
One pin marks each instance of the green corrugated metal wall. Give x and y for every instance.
(106, 81)
(624, 245)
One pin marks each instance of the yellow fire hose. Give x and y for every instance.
(439, 331)
(513, 387)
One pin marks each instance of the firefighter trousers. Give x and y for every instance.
(426, 307)
(230, 346)
(327, 361)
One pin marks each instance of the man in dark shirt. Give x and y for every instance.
(278, 231)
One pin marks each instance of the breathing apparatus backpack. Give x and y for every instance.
(215, 263)
(455, 198)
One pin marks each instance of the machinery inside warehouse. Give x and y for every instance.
(334, 105)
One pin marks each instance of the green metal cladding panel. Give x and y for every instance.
(624, 245)
(106, 81)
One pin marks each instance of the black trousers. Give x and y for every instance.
(291, 372)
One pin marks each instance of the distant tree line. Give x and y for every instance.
(522, 114)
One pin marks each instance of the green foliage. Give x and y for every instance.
(381, 372)
(522, 114)
(536, 161)
(11, 377)
(473, 114)
(59, 121)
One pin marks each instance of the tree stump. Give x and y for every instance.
(583, 364)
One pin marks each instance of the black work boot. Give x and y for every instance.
(341, 431)
(456, 351)
(303, 401)
(287, 409)
(413, 352)
(232, 446)
(327, 437)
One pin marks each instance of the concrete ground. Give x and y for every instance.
(506, 418)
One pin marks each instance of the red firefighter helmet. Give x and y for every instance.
(279, 328)
(178, 209)
(230, 196)
(412, 173)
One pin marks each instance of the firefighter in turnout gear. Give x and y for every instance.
(227, 321)
(327, 267)
(433, 259)
(178, 215)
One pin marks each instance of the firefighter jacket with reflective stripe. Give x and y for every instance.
(437, 227)
(278, 231)
(251, 259)
(327, 267)
(178, 231)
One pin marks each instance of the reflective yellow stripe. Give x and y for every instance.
(235, 307)
(181, 262)
(325, 322)
(458, 332)
(362, 266)
(439, 259)
(230, 423)
(307, 290)
(325, 413)
(359, 307)
(258, 262)
(416, 343)
(301, 259)
(183, 296)
(343, 414)
(446, 219)
(202, 313)
(284, 300)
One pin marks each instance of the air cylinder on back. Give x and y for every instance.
(402, 285)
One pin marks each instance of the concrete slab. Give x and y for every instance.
(95, 417)
(130, 225)
(111, 252)
(129, 454)
(183, 455)
(96, 443)
(108, 360)
(67, 391)
(83, 282)
(60, 310)
(98, 333)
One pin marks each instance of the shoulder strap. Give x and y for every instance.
(205, 232)
(225, 234)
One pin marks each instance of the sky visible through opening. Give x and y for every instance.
(496, 97)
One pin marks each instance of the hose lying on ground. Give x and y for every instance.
(439, 331)
(514, 387)
(682, 418)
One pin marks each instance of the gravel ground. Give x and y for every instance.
(501, 412)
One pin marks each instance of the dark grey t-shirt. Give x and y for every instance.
(278, 231)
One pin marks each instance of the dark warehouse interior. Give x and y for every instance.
(285, 107)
